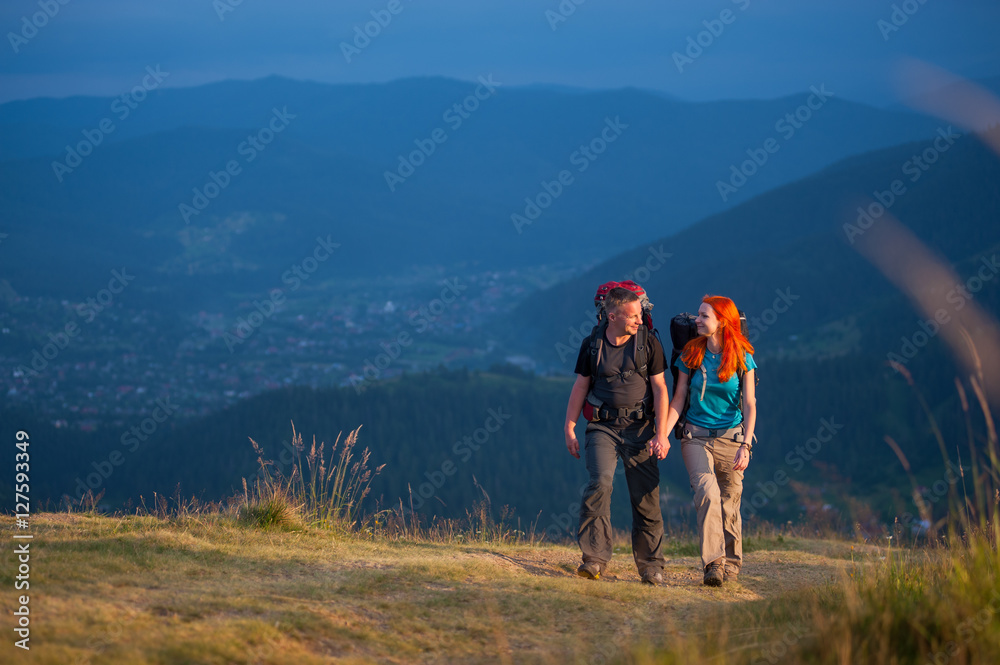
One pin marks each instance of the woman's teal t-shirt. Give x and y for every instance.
(718, 407)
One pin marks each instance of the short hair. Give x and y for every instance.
(618, 297)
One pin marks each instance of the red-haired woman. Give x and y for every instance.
(717, 431)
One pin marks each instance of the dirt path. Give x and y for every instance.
(765, 574)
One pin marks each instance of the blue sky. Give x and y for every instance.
(762, 49)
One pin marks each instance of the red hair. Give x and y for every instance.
(734, 345)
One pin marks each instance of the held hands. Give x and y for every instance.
(659, 447)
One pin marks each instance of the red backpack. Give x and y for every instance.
(602, 293)
(592, 405)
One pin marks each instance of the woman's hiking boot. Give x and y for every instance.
(714, 573)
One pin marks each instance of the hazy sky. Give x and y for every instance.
(761, 49)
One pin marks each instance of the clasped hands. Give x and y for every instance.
(658, 447)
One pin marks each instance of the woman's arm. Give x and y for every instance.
(749, 420)
(676, 405)
(659, 445)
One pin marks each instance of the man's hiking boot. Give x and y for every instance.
(732, 572)
(590, 570)
(714, 574)
(652, 577)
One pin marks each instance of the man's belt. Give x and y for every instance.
(611, 413)
(595, 410)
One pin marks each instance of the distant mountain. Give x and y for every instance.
(823, 322)
(124, 209)
(944, 94)
(789, 250)
(326, 173)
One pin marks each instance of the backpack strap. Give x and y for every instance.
(640, 355)
(597, 348)
(739, 395)
(682, 420)
(596, 353)
(641, 352)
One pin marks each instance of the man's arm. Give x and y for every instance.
(576, 399)
(660, 443)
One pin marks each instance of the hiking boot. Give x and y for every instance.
(652, 577)
(732, 572)
(590, 570)
(714, 574)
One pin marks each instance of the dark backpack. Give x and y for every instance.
(641, 350)
(682, 330)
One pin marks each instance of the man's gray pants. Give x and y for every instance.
(604, 445)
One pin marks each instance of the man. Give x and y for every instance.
(625, 398)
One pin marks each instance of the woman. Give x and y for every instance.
(717, 431)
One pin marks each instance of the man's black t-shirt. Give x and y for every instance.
(609, 387)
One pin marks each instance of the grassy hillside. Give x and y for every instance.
(792, 241)
(203, 588)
